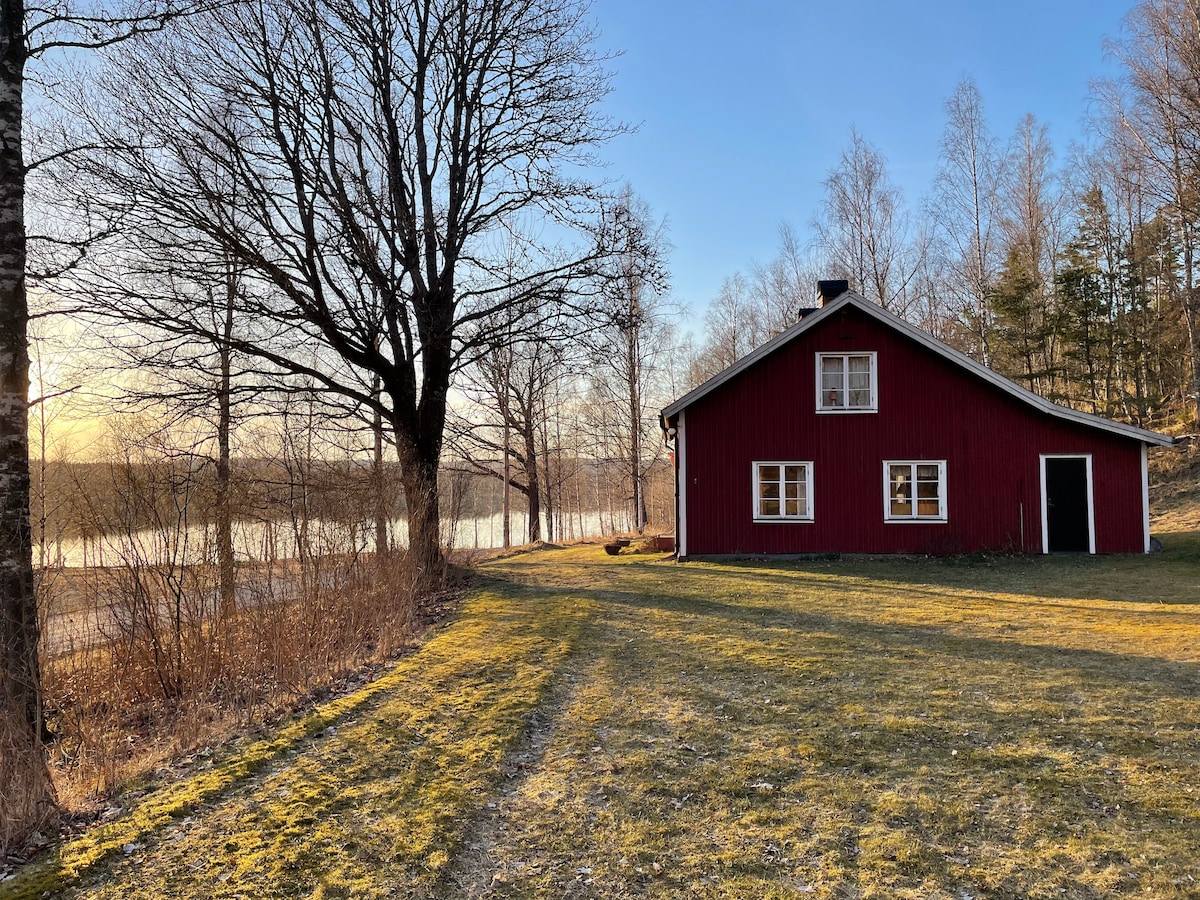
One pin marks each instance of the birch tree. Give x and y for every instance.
(628, 349)
(965, 211)
(27, 35)
(864, 229)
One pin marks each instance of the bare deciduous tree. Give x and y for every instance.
(628, 349)
(864, 229)
(785, 283)
(509, 421)
(379, 151)
(965, 210)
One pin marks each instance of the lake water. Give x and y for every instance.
(261, 541)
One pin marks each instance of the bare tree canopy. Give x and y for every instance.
(864, 229)
(965, 211)
(629, 348)
(1157, 105)
(364, 165)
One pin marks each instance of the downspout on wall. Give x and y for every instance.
(671, 442)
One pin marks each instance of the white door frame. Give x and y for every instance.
(1091, 505)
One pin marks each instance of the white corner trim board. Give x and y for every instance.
(681, 465)
(1145, 498)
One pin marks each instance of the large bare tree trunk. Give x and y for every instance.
(26, 795)
(425, 559)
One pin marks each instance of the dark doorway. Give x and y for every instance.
(1068, 529)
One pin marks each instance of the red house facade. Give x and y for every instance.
(856, 432)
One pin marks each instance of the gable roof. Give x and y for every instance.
(891, 320)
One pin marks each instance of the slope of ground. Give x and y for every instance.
(1175, 487)
(592, 726)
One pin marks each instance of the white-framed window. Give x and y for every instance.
(847, 383)
(914, 490)
(783, 491)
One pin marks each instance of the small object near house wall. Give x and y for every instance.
(929, 408)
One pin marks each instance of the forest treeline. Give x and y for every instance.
(1072, 273)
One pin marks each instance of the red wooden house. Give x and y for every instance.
(856, 432)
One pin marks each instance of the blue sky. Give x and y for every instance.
(745, 107)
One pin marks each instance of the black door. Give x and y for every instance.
(1067, 505)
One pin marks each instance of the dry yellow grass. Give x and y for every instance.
(620, 727)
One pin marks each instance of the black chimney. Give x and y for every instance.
(830, 290)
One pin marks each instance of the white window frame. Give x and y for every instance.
(943, 491)
(808, 490)
(872, 407)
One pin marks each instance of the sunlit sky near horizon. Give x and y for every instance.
(745, 107)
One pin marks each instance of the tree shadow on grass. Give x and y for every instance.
(1170, 578)
(1167, 677)
(831, 710)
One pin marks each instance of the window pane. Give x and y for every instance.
(770, 507)
(792, 507)
(831, 390)
(791, 489)
(900, 488)
(860, 398)
(833, 381)
(927, 490)
(860, 381)
(927, 473)
(769, 490)
(793, 473)
(860, 364)
(768, 473)
(927, 508)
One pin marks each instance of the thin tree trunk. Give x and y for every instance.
(638, 519)
(226, 573)
(378, 484)
(533, 482)
(506, 516)
(550, 529)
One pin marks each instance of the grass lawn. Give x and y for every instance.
(591, 726)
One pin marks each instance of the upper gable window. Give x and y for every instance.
(846, 382)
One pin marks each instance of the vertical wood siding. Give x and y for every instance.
(929, 409)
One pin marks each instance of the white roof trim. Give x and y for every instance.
(926, 340)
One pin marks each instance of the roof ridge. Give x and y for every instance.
(850, 298)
